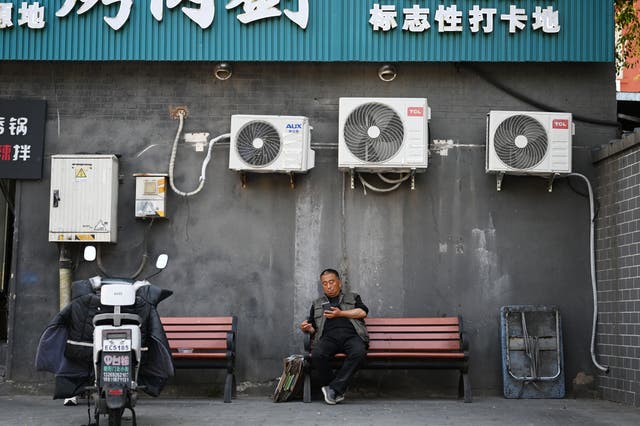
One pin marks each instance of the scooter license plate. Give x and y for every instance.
(116, 345)
(116, 367)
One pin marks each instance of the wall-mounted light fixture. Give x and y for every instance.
(223, 71)
(387, 72)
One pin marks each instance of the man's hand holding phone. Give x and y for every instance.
(330, 311)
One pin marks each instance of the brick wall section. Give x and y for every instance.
(617, 189)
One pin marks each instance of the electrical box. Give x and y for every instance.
(151, 193)
(84, 198)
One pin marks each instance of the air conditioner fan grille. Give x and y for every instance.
(258, 143)
(521, 142)
(373, 132)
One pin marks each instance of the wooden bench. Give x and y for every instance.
(204, 342)
(410, 343)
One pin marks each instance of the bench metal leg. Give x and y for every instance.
(464, 386)
(228, 387)
(234, 389)
(306, 389)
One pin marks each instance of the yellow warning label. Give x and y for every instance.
(80, 173)
(85, 237)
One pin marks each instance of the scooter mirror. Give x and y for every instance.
(90, 253)
(162, 260)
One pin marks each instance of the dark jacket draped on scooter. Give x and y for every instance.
(66, 345)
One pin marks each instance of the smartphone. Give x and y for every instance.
(326, 306)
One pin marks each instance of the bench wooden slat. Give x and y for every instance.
(196, 320)
(412, 321)
(197, 355)
(189, 335)
(198, 344)
(414, 336)
(198, 328)
(413, 329)
(459, 355)
(435, 345)
(438, 355)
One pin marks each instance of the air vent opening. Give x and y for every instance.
(373, 132)
(258, 143)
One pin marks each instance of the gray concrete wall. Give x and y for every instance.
(454, 246)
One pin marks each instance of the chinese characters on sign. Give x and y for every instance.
(203, 14)
(30, 14)
(450, 19)
(21, 139)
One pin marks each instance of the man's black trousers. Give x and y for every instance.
(340, 341)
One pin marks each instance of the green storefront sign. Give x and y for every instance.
(308, 30)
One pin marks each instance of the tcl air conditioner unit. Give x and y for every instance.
(270, 143)
(383, 134)
(526, 142)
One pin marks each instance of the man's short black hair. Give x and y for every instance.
(330, 271)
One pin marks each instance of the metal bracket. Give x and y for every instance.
(352, 176)
(243, 180)
(292, 182)
(499, 177)
(550, 182)
(413, 180)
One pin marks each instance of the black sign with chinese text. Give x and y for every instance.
(22, 138)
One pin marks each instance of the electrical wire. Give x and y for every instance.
(366, 184)
(402, 178)
(7, 196)
(203, 170)
(541, 106)
(603, 368)
(143, 261)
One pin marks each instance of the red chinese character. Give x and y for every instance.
(5, 152)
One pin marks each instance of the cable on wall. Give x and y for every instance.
(592, 254)
(541, 106)
(203, 170)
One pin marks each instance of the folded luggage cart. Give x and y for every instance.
(532, 354)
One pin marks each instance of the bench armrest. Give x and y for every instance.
(464, 341)
(231, 341)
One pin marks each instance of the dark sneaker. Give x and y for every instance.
(329, 395)
(339, 398)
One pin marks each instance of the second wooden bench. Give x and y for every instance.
(407, 343)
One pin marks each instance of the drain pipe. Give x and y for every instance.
(65, 265)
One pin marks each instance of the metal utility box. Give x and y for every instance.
(84, 198)
(151, 193)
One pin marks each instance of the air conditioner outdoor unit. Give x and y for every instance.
(383, 134)
(270, 143)
(527, 142)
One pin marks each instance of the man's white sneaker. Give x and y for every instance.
(329, 395)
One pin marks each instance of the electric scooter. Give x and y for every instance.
(117, 348)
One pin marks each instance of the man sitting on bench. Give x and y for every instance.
(336, 322)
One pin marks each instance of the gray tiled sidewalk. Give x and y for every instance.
(250, 410)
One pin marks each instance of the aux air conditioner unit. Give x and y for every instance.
(520, 142)
(270, 143)
(383, 134)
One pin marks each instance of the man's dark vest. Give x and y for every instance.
(347, 302)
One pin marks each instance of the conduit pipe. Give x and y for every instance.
(592, 260)
(65, 266)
